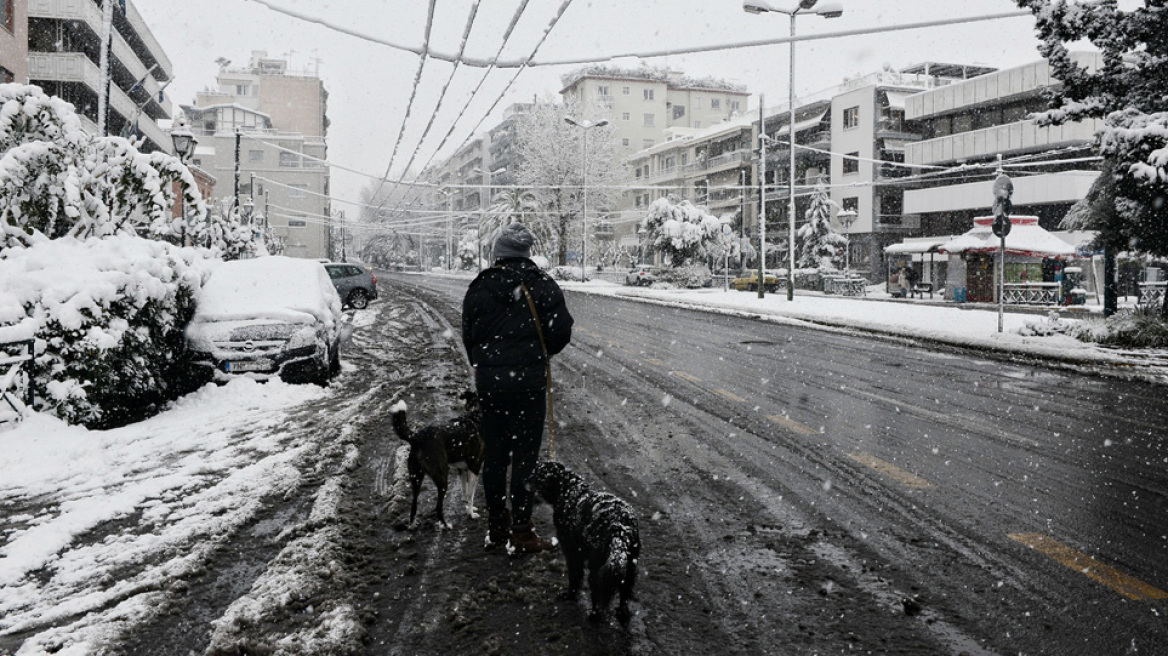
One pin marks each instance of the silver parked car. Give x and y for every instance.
(356, 285)
(642, 275)
(266, 317)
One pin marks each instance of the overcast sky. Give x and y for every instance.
(370, 84)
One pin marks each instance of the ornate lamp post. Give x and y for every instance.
(184, 142)
(847, 218)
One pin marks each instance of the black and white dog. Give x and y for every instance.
(438, 448)
(594, 529)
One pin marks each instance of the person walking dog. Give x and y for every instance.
(513, 320)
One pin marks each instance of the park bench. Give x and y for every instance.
(16, 360)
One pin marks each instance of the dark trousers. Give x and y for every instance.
(512, 432)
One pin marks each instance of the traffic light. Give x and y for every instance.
(1003, 190)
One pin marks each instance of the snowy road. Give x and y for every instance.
(795, 486)
(1019, 505)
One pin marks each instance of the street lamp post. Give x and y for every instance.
(827, 10)
(584, 126)
(483, 204)
(847, 217)
(184, 142)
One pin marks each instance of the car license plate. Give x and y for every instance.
(247, 365)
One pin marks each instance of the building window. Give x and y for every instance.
(962, 123)
(647, 143)
(624, 142)
(648, 93)
(6, 19)
(297, 223)
(891, 208)
(625, 91)
(650, 120)
(697, 124)
(638, 201)
(851, 204)
(624, 116)
(715, 103)
(852, 117)
(678, 112)
(602, 90)
(697, 103)
(851, 163)
(6, 75)
(196, 162)
(255, 155)
(243, 89)
(735, 106)
(289, 160)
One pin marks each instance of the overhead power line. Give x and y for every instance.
(496, 62)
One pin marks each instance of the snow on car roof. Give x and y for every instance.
(273, 287)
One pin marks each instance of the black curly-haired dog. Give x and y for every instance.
(438, 448)
(594, 529)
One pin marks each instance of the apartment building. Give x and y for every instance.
(64, 55)
(971, 123)
(283, 150)
(643, 103)
(869, 136)
(13, 41)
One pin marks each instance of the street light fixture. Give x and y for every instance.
(184, 142)
(847, 218)
(826, 10)
(584, 126)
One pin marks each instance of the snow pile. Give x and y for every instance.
(101, 310)
(186, 479)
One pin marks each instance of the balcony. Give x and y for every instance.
(1023, 136)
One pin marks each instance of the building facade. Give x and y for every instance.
(285, 160)
(642, 104)
(13, 41)
(972, 123)
(64, 55)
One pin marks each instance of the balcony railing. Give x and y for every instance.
(988, 142)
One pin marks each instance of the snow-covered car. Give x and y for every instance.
(642, 275)
(356, 285)
(267, 317)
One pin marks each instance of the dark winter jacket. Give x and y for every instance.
(499, 332)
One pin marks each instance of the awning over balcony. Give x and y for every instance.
(896, 98)
(805, 124)
(1026, 238)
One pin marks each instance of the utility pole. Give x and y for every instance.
(237, 136)
(761, 196)
(344, 258)
(107, 29)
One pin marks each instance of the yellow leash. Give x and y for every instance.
(551, 413)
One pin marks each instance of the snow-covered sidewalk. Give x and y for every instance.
(957, 325)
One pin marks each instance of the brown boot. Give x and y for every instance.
(525, 541)
(498, 530)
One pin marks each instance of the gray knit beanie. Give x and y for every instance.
(514, 240)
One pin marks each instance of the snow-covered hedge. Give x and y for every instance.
(688, 276)
(108, 318)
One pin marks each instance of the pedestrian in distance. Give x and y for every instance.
(902, 283)
(514, 319)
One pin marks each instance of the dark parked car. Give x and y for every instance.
(356, 285)
(267, 317)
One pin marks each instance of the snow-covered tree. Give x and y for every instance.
(57, 180)
(550, 164)
(1128, 93)
(817, 243)
(681, 230)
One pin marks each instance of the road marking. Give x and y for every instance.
(729, 395)
(791, 424)
(955, 420)
(901, 476)
(655, 361)
(1122, 583)
(689, 377)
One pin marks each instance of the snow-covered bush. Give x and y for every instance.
(681, 230)
(569, 273)
(688, 276)
(58, 180)
(1052, 324)
(108, 318)
(1138, 328)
